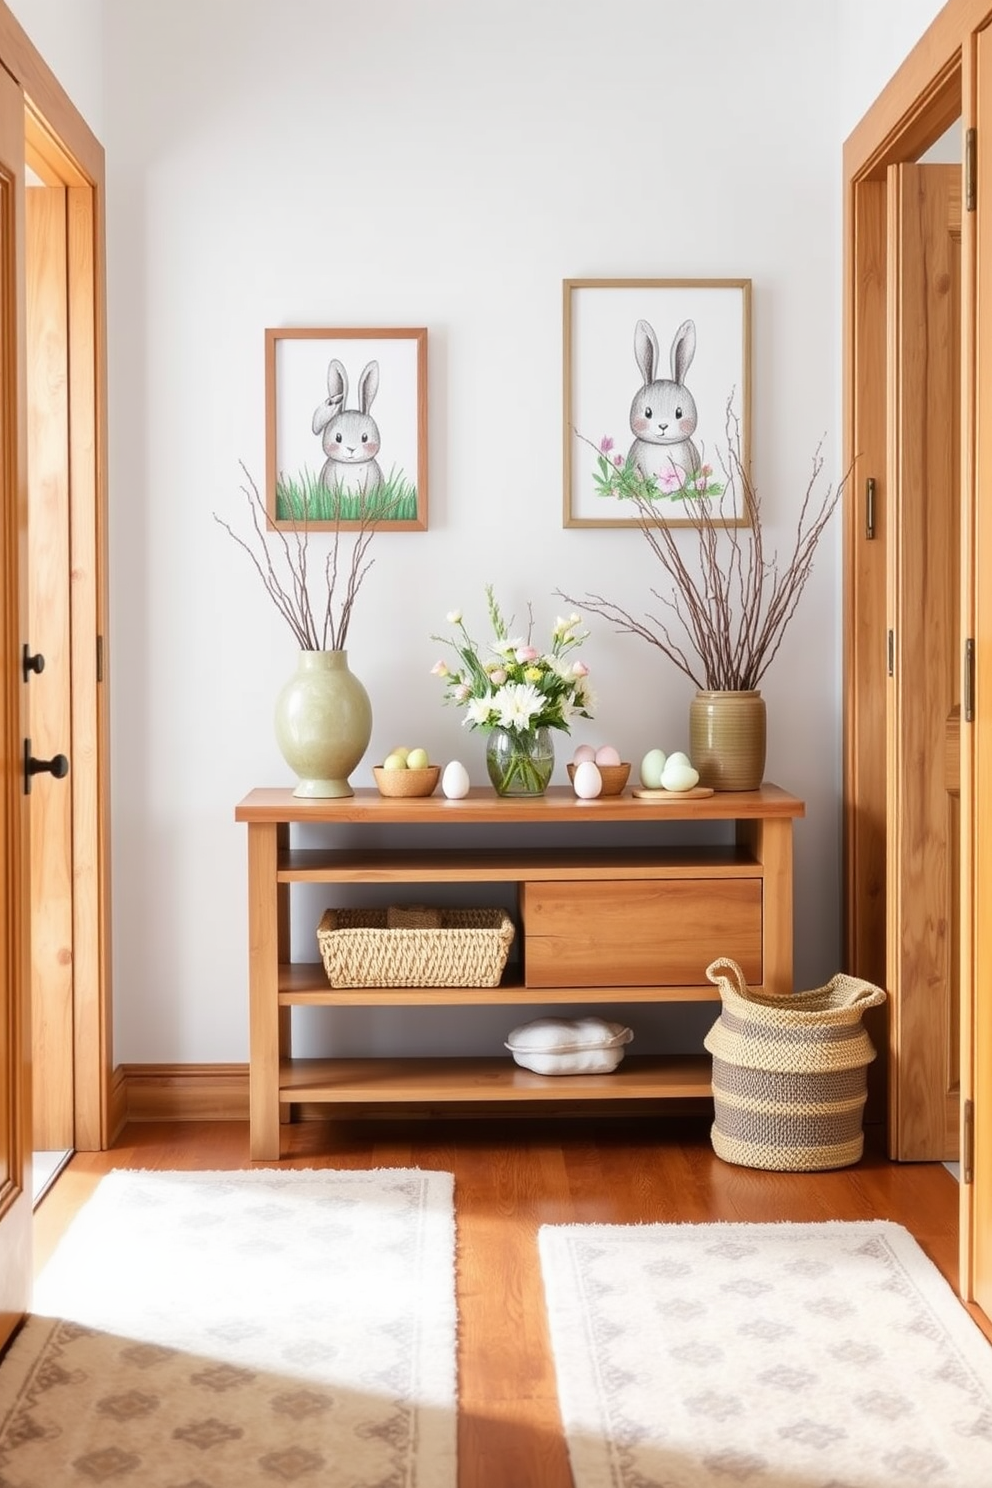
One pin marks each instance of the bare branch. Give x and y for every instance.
(731, 603)
(282, 564)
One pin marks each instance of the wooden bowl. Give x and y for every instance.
(407, 782)
(614, 777)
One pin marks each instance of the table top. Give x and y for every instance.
(268, 804)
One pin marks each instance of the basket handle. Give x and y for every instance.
(724, 969)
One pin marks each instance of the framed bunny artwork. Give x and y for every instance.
(656, 400)
(346, 428)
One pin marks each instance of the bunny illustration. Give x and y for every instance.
(663, 413)
(350, 435)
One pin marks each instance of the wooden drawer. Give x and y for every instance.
(639, 933)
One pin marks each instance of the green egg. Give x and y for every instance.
(651, 767)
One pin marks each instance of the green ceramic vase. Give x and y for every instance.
(323, 723)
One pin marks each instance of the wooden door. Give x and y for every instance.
(976, 1191)
(67, 519)
(924, 648)
(50, 695)
(15, 1110)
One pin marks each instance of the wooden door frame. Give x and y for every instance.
(61, 149)
(15, 1031)
(934, 87)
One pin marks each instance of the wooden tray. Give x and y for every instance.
(643, 793)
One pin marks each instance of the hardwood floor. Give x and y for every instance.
(511, 1176)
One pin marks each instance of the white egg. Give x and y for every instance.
(587, 782)
(454, 780)
(583, 752)
(683, 759)
(651, 767)
(677, 776)
(607, 755)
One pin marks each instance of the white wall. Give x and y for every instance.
(69, 35)
(875, 38)
(428, 162)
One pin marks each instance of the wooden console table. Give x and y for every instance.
(596, 925)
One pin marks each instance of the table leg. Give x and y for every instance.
(263, 991)
(770, 840)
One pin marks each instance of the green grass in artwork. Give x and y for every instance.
(303, 498)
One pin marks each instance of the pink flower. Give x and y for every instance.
(439, 669)
(527, 653)
(579, 669)
(606, 444)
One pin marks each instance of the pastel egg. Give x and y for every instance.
(677, 776)
(454, 780)
(583, 752)
(683, 759)
(607, 755)
(651, 767)
(587, 782)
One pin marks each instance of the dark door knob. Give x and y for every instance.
(31, 663)
(58, 766)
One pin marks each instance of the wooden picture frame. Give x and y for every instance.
(624, 337)
(331, 461)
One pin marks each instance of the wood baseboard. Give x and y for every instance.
(179, 1092)
(116, 1104)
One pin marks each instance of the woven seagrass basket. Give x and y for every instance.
(790, 1074)
(414, 946)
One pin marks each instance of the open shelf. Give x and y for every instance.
(316, 865)
(305, 984)
(443, 1081)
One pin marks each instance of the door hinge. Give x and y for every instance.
(968, 701)
(870, 508)
(99, 658)
(892, 653)
(970, 168)
(968, 1142)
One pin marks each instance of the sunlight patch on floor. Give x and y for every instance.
(45, 1168)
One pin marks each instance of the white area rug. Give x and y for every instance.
(220, 1330)
(772, 1356)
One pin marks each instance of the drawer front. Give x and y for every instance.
(641, 933)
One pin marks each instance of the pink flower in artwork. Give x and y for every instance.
(606, 444)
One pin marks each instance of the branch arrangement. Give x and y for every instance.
(732, 606)
(286, 575)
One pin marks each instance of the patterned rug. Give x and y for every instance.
(220, 1330)
(769, 1356)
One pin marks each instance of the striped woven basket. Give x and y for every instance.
(790, 1074)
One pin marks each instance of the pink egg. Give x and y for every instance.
(583, 752)
(607, 755)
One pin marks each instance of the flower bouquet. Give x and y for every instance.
(516, 694)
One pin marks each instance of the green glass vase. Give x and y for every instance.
(520, 762)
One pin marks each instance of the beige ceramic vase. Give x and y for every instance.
(727, 739)
(323, 723)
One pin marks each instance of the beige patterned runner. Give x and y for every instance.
(770, 1356)
(220, 1330)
